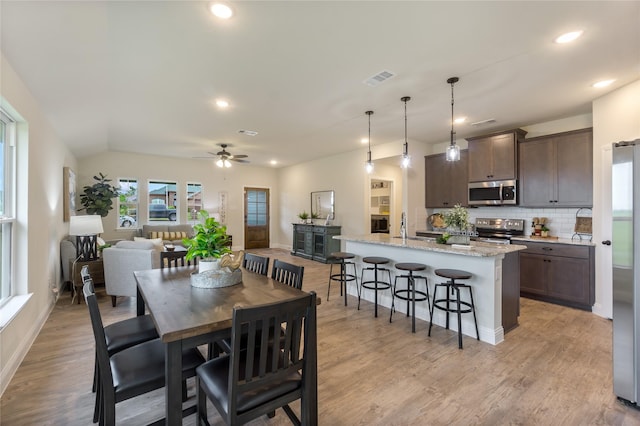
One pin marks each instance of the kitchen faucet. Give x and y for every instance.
(403, 225)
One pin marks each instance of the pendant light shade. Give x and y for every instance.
(369, 163)
(453, 150)
(405, 148)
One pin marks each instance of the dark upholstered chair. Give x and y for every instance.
(261, 376)
(133, 371)
(255, 263)
(287, 273)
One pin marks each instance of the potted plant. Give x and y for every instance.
(314, 215)
(457, 222)
(98, 198)
(544, 231)
(304, 216)
(209, 242)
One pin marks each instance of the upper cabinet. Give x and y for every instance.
(446, 182)
(557, 170)
(495, 156)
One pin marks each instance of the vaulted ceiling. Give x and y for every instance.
(143, 76)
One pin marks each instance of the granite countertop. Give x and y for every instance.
(476, 249)
(529, 239)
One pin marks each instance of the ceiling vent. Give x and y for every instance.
(379, 78)
(248, 132)
(483, 122)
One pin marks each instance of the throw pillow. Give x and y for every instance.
(157, 242)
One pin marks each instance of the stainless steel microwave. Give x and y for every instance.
(493, 193)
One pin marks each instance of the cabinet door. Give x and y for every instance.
(503, 157)
(574, 159)
(436, 181)
(480, 159)
(532, 274)
(568, 279)
(537, 174)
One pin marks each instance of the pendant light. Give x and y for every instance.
(453, 150)
(369, 163)
(405, 147)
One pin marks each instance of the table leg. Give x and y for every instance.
(343, 280)
(173, 388)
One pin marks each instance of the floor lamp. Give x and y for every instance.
(86, 230)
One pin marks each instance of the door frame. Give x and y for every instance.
(244, 212)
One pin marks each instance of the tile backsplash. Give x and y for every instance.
(560, 221)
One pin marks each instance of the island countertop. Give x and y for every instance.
(476, 248)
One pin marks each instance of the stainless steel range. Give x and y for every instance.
(499, 231)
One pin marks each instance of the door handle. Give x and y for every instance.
(606, 242)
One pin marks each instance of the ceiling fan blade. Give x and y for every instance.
(208, 158)
(239, 161)
(240, 156)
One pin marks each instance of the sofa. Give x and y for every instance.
(170, 234)
(122, 260)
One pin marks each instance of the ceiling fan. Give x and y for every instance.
(225, 157)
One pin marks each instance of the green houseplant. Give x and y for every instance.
(210, 240)
(303, 216)
(98, 198)
(457, 218)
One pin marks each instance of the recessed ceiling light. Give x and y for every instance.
(221, 10)
(460, 120)
(273, 162)
(568, 37)
(364, 140)
(603, 83)
(221, 103)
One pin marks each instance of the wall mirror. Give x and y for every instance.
(322, 204)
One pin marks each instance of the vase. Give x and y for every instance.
(208, 265)
(457, 236)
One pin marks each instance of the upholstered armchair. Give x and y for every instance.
(122, 260)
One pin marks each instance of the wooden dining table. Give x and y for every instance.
(187, 317)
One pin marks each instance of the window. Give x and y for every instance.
(194, 201)
(128, 203)
(256, 200)
(163, 201)
(7, 205)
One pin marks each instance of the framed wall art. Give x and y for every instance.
(69, 194)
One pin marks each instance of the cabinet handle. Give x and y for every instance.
(547, 248)
(606, 242)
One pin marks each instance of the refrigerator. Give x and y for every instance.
(625, 191)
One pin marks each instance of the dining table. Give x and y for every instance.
(187, 317)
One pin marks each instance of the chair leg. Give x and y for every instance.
(329, 286)
(473, 309)
(113, 301)
(201, 405)
(271, 414)
(292, 416)
(459, 307)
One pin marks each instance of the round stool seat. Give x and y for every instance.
(411, 266)
(342, 255)
(454, 274)
(375, 260)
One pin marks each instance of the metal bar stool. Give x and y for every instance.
(374, 284)
(410, 294)
(341, 257)
(459, 307)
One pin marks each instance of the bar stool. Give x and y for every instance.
(459, 307)
(410, 294)
(341, 257)
(374, 284)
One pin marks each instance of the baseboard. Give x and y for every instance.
(21, 351)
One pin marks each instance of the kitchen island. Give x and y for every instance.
(495, 281)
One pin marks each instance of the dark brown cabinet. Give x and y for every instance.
(446, 182)
(315, 241)
(495, 156)
(557, 170)
(558, 273)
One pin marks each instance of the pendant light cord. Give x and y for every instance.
(452, 81)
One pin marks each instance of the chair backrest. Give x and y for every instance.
(257, 366)
(84, 274)
(102, 354)
(287, 273)
(255, 263)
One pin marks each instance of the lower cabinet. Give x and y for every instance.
(315, 241)
(558, 273)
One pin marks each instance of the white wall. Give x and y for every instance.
(40, 227)
(214, 179)
(616, 117)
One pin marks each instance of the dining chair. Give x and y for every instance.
(255, 263)
(133, 371)
(120, 335)
(258, 378)
(287, 273)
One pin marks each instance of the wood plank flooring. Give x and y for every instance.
(555, 368)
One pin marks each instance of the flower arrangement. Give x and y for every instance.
(457, 218)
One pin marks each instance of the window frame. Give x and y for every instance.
(8, 213)
(167, 203)
(137, 203)
(188, 216)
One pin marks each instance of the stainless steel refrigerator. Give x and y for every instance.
(626, 269)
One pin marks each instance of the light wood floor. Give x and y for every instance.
(555, 368)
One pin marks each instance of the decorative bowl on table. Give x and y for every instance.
(169, 247)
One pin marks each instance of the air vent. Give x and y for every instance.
(483, 122)
(379, 78)
(248, 132)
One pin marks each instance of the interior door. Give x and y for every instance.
(256, 218)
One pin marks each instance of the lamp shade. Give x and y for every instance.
(85, 225)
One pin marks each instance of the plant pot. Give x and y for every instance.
(208, 265)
